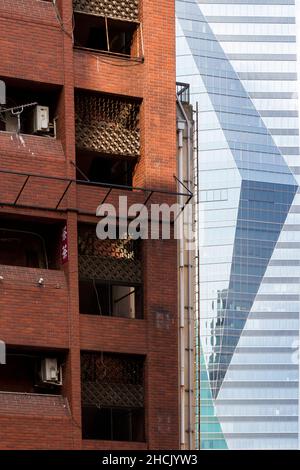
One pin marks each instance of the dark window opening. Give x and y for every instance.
(104, 34)
(107, 299)
(105, 169)
(113, 424)
(30, 245)
(30, 109)
(28, 371)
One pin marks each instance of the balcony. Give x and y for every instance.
(112, 388)
(31, 276)
(110, 276)
(106, 34)
(30, 108)
(107, 138)
(43, 415)
(26, 395)
(30, 129)
(107, 125)
(24, 369)
(108, 27)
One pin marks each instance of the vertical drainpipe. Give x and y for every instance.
(190, 384)
(190, 308)
(190, 301)
(180, 129)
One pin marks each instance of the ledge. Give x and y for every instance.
(91, 72)
(53, 278)
(88, 444)
(113, 334)
(29, 147)
(33, 404)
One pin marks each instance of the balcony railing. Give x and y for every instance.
(183, 92)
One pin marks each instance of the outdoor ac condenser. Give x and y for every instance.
(50, 372)
(40, 121)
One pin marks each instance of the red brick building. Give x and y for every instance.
(87, 113)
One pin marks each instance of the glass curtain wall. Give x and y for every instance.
(239, 57)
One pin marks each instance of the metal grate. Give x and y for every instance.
(107, 124)
(112, 380)
(100, 269)
(108, 260)
(121, 9)
(89, 244)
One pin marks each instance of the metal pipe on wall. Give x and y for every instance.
(190, 348)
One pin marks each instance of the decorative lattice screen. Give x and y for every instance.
(112, 380)
(107, 124)
(92, 267)
(121, 9)
(89, 244)
(108, 260)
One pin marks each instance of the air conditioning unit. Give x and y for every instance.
(40, 120)
(2, 92)
(51, 372)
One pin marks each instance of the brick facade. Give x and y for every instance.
(33, 47)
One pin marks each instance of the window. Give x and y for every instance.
(104, 34)
(108, 170)
(110, 299)
(114, 424)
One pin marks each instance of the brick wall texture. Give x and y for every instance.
(35, 49)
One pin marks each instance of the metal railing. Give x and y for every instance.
(183, 92)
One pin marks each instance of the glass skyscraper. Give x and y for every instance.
(239, 56)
